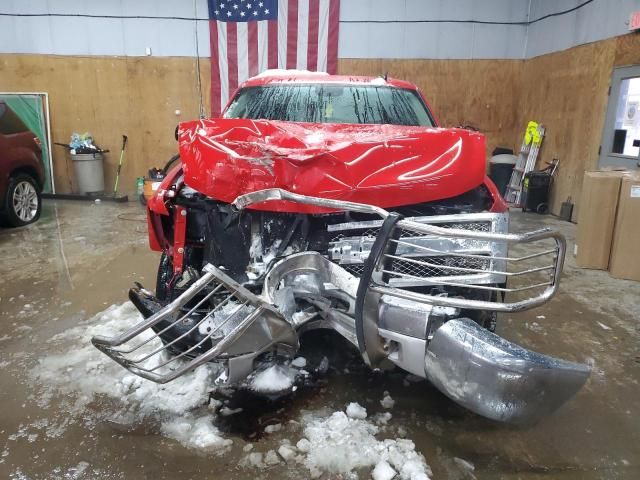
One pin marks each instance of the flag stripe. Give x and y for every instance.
(283, 25)
(312, 38)
(272, 44)
(264, 44)
(232, 57)
(292, 35)
(223, 65)
(303, 33)
(243, 52)
(323, 35)
(215, 68)
(253, 48)
(334, 24)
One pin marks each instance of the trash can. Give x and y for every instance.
(535, 192)
(89, 172)
(500, 169)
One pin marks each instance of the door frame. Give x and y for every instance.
(605, 157)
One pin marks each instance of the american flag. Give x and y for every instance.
(251, 36)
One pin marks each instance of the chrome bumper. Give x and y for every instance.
(496, 378)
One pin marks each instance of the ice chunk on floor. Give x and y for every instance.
(195, 432)
(355, 410)
(273, 428)
(287, 452)
(299, 362)
(340, 445)
(383, 471)
(387, 401)
(272, 380)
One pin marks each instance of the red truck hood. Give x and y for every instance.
(383, 165)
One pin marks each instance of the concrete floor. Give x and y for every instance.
(81, 258)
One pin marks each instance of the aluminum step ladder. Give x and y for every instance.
(534, 134)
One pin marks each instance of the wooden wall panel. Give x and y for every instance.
(138, 96)
(482, 93)
(111, 96)
(567, 92)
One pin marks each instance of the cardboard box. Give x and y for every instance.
(625, 250)
(596, 219)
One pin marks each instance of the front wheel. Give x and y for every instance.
(23, 202)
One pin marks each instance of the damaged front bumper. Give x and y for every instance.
(388, 313)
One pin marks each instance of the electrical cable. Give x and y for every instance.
(197, 19)
(201, 111)
(479, 22)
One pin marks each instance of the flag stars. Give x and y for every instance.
(248, 6)
(261, 4)
(266, 11)
(235, 6)
(228, 13)
(222, 6)
(242, 14)
(255, 13)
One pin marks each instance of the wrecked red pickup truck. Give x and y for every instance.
(334, 202)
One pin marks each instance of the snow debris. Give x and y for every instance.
(247, 448)
(287, 452)
(79, 374)
(603, 326)
(273, 428)
(382, 418)
(195, 433)
(339, 445)
(355, 410)
(227, 412)
(540, 317)
(379, 81)
(254, 459)
(383, 471)
(272, 380)
(303, 445)
(387, 401)
(271, 458)
(299, 362)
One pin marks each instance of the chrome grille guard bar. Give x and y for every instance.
(543, 280)
(249, 326)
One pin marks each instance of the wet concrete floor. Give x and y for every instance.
(81, 258)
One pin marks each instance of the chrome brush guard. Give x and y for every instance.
(419, 282)
(248, 327)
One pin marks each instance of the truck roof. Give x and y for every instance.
(271, 77)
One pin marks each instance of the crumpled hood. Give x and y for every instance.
(383, 165)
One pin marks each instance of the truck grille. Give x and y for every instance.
(418, 257)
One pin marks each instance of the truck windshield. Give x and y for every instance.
(331, 104)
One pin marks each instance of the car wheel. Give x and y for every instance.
(23, 202)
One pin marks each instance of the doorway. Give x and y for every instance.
(620, 146)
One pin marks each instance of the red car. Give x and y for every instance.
(21, 171)
(338, 202)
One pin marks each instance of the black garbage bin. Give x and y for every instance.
(500, 169)
(535, 191)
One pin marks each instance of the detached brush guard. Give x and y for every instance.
(390, 322)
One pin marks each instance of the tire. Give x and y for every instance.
(23, 202)
(543, 208)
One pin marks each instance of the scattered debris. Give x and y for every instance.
(387, 401)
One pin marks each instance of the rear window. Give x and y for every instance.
(315, 103)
